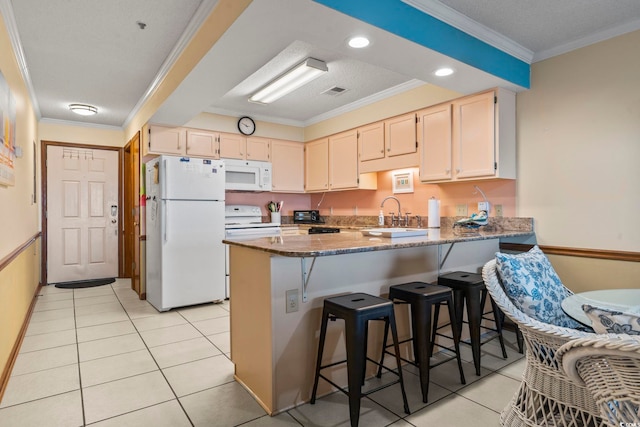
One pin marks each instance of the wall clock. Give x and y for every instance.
(246, 125)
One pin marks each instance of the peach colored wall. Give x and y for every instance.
(291, 201)
(450, 194)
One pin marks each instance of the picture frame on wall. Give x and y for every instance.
(402, 181)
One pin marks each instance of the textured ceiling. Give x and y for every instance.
(93, 51)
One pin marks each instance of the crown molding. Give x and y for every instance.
(12, 28)
(201, 14)
(259, 117)
(467, 25)
(80, 124)
(588, 40)
(395, 90)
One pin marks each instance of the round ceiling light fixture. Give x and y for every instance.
(83, 109)
(443, 72)
(358, 42)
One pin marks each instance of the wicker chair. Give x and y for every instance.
(546, 396)
(611, 371)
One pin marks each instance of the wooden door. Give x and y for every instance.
(287, 159)
(434, 134)
(343, 160)
(131, 212)
(371, 140)
(400, 135)
(232, 146)
(166, 140)
(474, 136)
(258, 148)
(82, 214)
(316, 171)
(202, 144)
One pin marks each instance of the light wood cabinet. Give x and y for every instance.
(287, 161)
(316, 162)
(388, 144)
(258, 148)
(400, 135)
(234, 146)
(434, 135)
(469, 138)
(165, 140)
(202, 144)
(343, 160)
(332, 164)
(371, 141)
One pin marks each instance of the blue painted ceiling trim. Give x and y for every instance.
(410, 23)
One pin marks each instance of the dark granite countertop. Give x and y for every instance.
(352, 240)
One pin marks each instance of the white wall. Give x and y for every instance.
(579, 147)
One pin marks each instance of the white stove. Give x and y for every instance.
(244, 222)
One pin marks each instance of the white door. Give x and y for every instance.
(82, 214)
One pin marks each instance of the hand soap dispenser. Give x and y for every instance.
(381, 218)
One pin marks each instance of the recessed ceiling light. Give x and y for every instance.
(83, 109)
(358, 42)
(443, 72)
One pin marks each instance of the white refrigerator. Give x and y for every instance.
(185, 229)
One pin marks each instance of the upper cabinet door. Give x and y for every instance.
(400, 135)
(434, 135)
(316, 171)
(258, 148)
(474, 136)
(166, 140)
(371, 141)
(202, 144)
(287, 159)
(232, 146)
(343, 160)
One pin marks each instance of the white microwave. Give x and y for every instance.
(247, 175)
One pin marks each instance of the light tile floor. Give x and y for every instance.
(101, 357)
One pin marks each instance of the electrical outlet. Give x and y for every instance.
(461, 210)
(498, 210)
(483, 206)
(292, 300)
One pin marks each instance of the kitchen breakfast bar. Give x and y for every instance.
(278, 285)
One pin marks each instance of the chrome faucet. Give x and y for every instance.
(393, 220)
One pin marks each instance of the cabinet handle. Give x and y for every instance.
(388, 149)
(457, 170)
(382, 151)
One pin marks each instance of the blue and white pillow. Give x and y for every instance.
(605, 321)
(534, 287)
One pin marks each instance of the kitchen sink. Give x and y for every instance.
(394, 232)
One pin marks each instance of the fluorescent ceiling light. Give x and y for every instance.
(83, 109)
(299, 75)
(443, 72)
(359, 42)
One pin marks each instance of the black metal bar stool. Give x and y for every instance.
(423, 297)
(356, 310)
(470, 287)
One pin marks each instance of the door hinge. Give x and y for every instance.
(416, 144)
(417, 119)
(495, 99)
(495, 166)
(358, 181)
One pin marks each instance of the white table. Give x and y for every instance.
(625, 300)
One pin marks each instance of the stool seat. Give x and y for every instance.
(357, 309)
(422, 298)
(470, 287)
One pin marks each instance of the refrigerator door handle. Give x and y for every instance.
(166, 220)
(163, 179)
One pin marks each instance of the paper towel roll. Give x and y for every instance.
(433, 219)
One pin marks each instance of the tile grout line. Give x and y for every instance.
(156, 362)
(84, 418)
